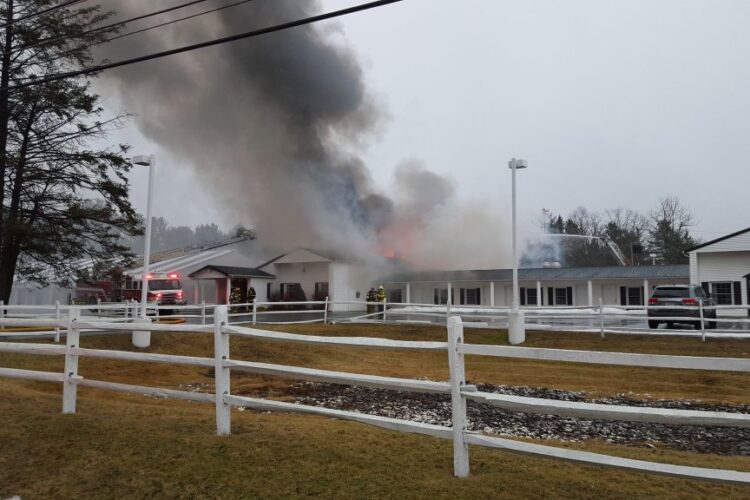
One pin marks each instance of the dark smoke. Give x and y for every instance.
(273, 127)
(271, 124)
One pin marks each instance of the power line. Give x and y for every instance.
(107, 26)
(210, 43)
(160, 25)
(41, 12)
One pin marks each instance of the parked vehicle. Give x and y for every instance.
(165, 289)
(689, 299)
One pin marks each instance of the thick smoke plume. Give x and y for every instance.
(273, 126)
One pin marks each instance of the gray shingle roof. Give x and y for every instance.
(546, 274)
(249, 272)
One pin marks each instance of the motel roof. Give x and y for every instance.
(234, 272)
(546, 274)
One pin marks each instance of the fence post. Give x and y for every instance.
(2, 313)
(255, 312)
(221, 373)
(325, 311)
(458, 402)
(703, 322)
(71, 361)
(57, 317)
(385, 309)
(601, 317)
(98, 307)
(203, 312)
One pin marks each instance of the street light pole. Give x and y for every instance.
(143, 338)
(516, 327)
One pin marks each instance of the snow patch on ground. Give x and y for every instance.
(528, 311)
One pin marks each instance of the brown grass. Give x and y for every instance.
(128, 445)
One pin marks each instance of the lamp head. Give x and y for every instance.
(142, 160)
(517, 164)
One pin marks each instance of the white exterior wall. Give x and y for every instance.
(722, 266)
(739, 243)
(304, 273)
(609, 291)
(347, 280)
(260, 285)
(500, 299)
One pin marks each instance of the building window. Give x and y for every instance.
(321, 290)
(471, 296)
(292, 292)
(722, 293)
(395, 296)
(631, 296)
(635, 296)
(561, 296)
(531, 299)
(441, 296)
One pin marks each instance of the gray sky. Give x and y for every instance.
(613, 104)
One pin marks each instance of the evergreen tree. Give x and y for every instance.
(62, 199)
(669, 233)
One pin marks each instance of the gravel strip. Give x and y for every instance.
(436, 409)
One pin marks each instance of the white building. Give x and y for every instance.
(209, 273)
(576, 286)
(304, 274)
(722, 267)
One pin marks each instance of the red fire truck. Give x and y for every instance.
(163, 289)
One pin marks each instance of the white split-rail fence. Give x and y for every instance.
(456, 386)
(718, 321)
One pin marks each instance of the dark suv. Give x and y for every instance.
(688, 297)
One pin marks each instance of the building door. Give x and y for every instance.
(238, 293)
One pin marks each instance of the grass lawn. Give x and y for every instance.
(120, 445)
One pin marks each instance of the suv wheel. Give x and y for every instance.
(653, 325)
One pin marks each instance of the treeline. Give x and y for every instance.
(166, 237)
(660, 236)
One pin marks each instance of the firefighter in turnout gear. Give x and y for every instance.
(380, 296)
(371, 298)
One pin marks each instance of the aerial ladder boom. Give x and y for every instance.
(615, 250)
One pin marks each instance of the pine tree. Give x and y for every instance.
(63, 199)
(669, 234)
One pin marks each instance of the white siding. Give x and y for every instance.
(739, 243)
(346, 281)
(261, 288)
(724, 266)
(305, 273)
(301, 255)
(693, 256)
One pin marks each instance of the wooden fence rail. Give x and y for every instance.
(457, 387)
